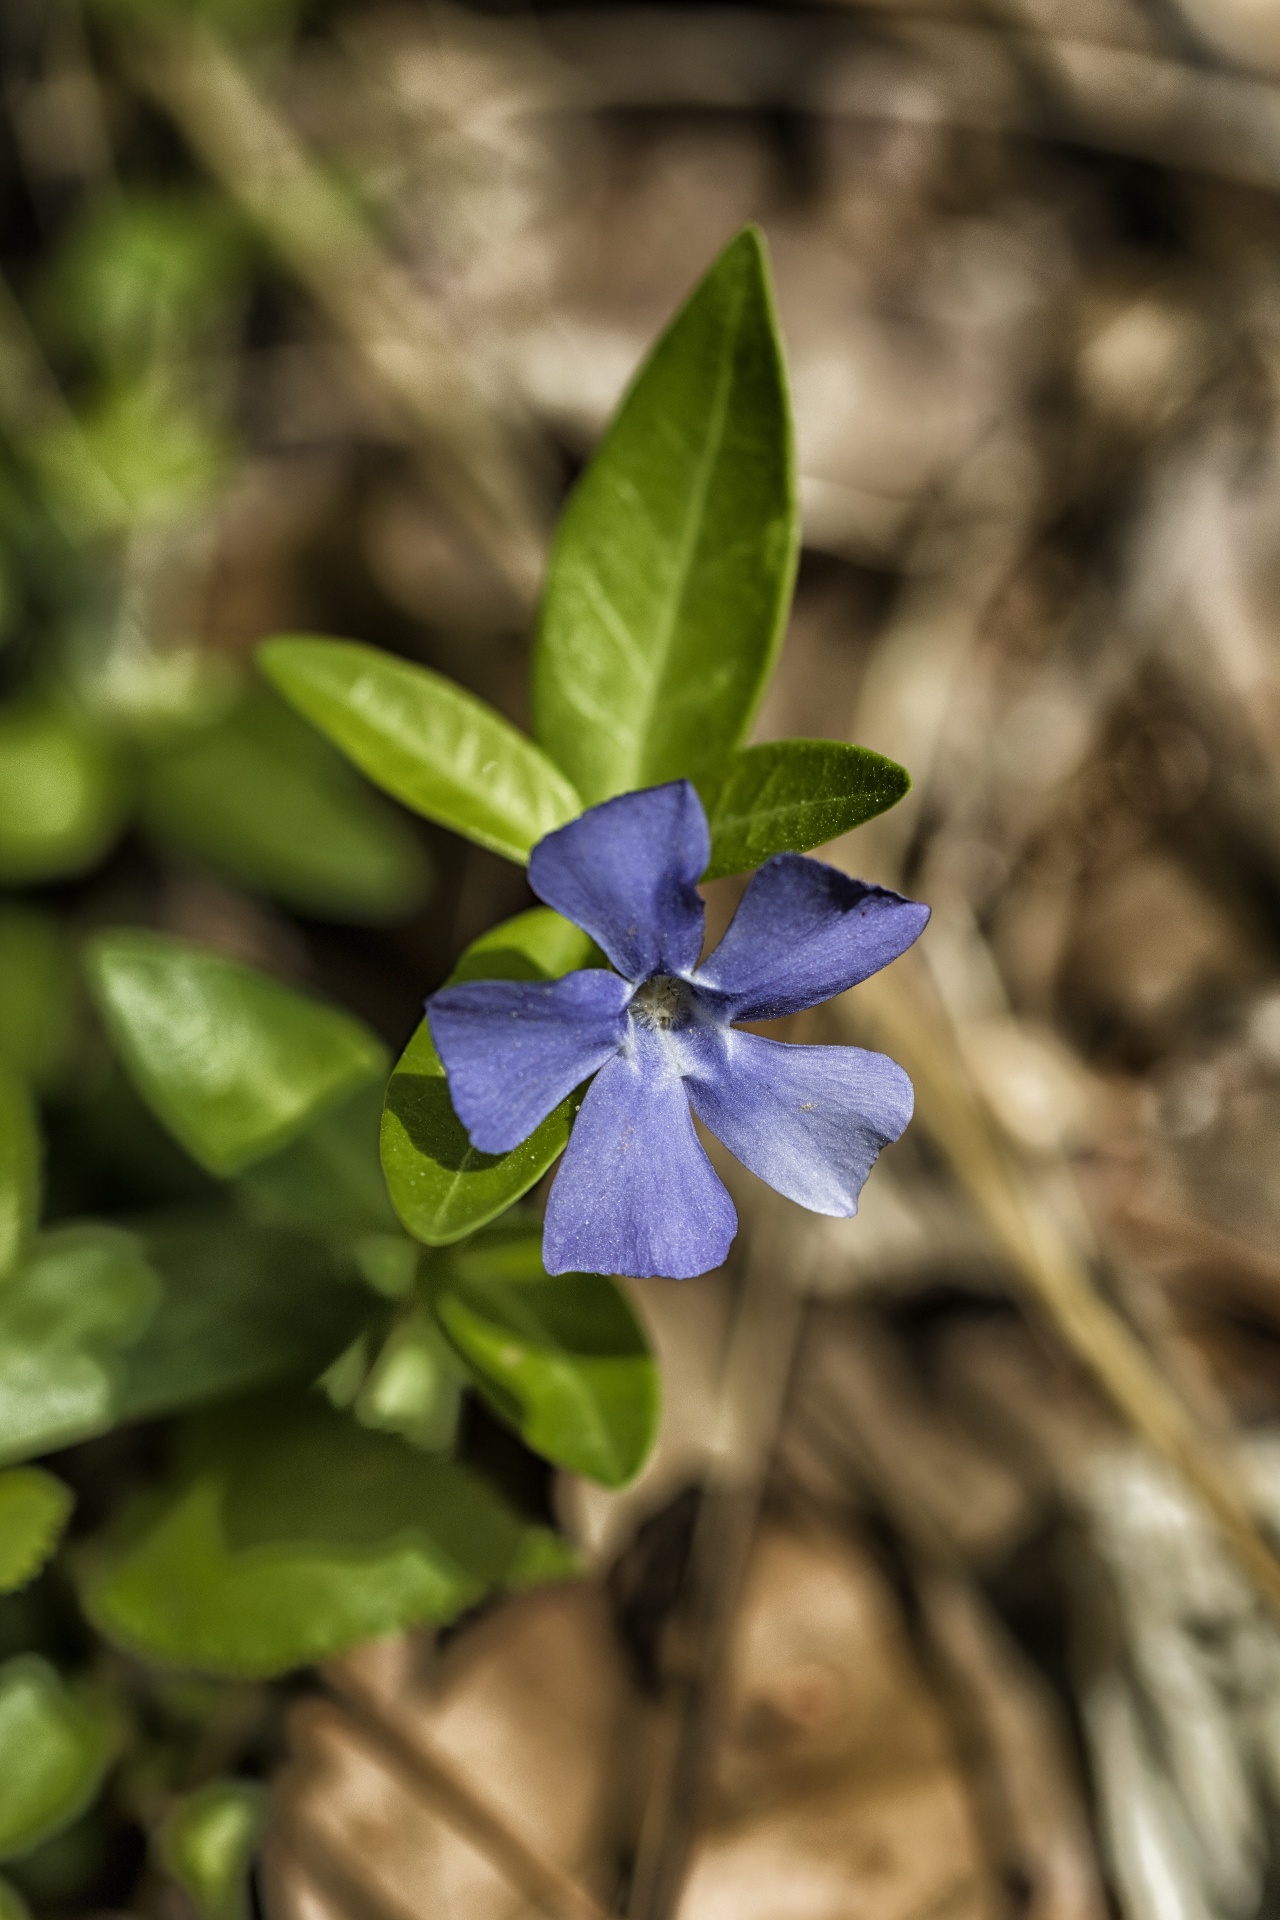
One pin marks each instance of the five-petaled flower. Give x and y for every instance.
(635, 1192)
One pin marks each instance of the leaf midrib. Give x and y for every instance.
(666, 627)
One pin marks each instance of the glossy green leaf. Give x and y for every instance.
(425, 740)
(234, 1063)
(101, 1326)
(62, 801)
(208, 1841)
(54, 1750)
(34, 1508)
(293, 1533)
(441, 1186)
(19, 1170)
(261, 797)
(39, 995)
(791, 795)
(562, 1359)
(672, 569)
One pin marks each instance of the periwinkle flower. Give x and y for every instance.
(635, 1192)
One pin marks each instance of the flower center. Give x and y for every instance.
(662, 1002)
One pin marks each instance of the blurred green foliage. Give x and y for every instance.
(207, 1844)
(65, 1741)
(34, 1508)
(290, 1532)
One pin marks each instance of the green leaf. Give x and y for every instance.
(562, 1359)
(54, 1750)
(672, 569)
(234, 1063)
(414, 1387)
(537, 945)
(142, 275)
(242, 1305)
(101, 1326)
(12, 1904)
(19, 1171)
(329, 1180)
(293, 1533)
(155, 455)
(84, 1294)
(62, 801)
(261, 797)
(790, 795)
(34, 1508)
(39, 995)
(422, 738)
(207, 1844)
(440, 1185)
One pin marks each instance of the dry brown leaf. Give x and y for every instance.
(834, 1787)
(530, 1707)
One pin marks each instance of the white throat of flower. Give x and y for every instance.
(662, 1003)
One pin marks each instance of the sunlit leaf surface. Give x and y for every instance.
(425, 740)
(672, 568)
(234, 1063)
(791, 795)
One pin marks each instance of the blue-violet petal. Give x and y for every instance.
(512, 1049)
(804, 932)
(809, 1121)
(627, 872)
(635, 1192)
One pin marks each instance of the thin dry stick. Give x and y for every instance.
(541, 1881)
(339, 1874)
(757, 1370)
(261, 163)
(1025, 1798)
(1018, 1726)
(904, 1008)
(1116, 98)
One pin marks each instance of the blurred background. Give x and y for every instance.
(309, 315)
